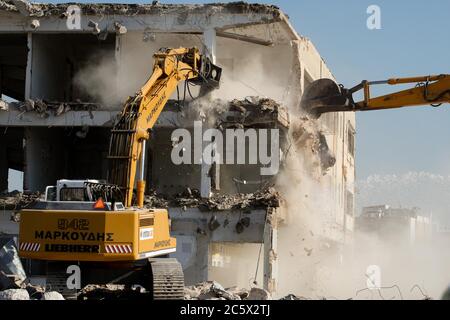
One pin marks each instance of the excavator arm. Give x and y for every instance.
(324, 95)
(140, 113)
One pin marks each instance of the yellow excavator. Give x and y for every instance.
(103, 227)
(325, 95)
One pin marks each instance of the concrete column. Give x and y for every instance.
(1, 89)
(29, 63)
(205, 182)
(302, 78)
(118, 61)
(3, 166)
(44, 158)
(215, 170)
(270, 251)
(209, 41)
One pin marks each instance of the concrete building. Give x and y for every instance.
(63, 77)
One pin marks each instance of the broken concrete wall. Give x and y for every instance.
(225, 258)
(253, 114)
(195, 233)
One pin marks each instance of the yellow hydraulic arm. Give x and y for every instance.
(325, 95)
(129, 135)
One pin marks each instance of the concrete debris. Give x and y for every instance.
(13, 273)
(34, 24)
(58, 10)
(29, 292)
(113, 292)
(259, 294)
(52, 295)
(327, 159)
(153, 200)
(250, 112)
(46, 108)
(27, 9)
(190, 198)
(293, 297)
(307, 136)
(35, 292)
(4, 105)
(16, 200)
(95, 28)
(212, 290)
(14, 294)
(120, 28)
(9, 281)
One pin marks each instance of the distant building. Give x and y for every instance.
(394, 223)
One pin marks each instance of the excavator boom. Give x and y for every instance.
(324, 95)
(140, 113)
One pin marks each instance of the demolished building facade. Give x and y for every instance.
(63, 86)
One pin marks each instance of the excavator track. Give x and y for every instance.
(167, 279)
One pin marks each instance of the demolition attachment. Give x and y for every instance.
(325, 95)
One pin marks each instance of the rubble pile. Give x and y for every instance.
(30, 292)
(49, 9)
(211, 290)
(250, 112)
(47, 108)
(154, 200)
(190, 198)
(113, 292)
(14, 288)
(16, 200)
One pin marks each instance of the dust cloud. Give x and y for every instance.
(104, 81)
(316, 263)
(97, 80)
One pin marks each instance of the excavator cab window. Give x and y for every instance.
(73, 194)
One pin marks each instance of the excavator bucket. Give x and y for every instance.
(325, 95)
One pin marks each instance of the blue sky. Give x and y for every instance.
(413, 41)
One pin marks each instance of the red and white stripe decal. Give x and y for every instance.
(118, 248)
(29, 246)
